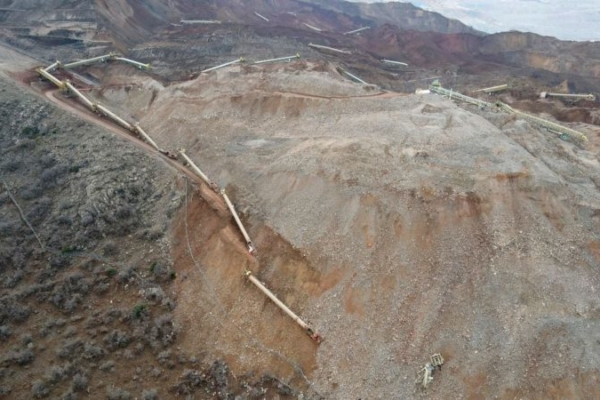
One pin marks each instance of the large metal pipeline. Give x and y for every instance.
(88, 61)
(590, 96)
(356, 78)
(111, 115)
(559, 129)
(386, 61)
(52, 66)
(145, 67)
(314, 28)
(251, 247)
(147, 138)
(261, 16)
(357, 30)
(199, 172)
(318, 46)
(59, 84)
(451, 94)
(80, 96)
(239, 60)
(199, 21)
(314, 335)
(493, 89)
(288, 58)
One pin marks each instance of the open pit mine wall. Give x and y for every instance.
(135, 128)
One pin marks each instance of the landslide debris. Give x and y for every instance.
(417, 226)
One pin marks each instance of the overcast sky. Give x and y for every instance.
(565, 19)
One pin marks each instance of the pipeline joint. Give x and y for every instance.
(168, 154)
(314, 335)
(251, 249)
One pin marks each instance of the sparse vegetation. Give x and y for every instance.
(107, 366)
(30, 131)
(5, 332)
(114, 393)
(68, 249)
(117, 339)
(79, 383)
(40, 389)
(150, 394)
(20, 358)
(140, 311)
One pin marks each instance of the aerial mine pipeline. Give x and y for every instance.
(68, 87)
(563, 132)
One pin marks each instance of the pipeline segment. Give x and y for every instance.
(80, 96)
(590, 96)
(318, 46)
(451, 94)
(261, 16)
(288, 58)
(59, 84)
(111, 115)
(563, 131)
(559, 129)
(493, 89)
(239, 60)
(89, 61)
(314, 28)
(251, 248)
(52, 66)
(313, 334)
(357, 30)
(199, 21)
(386, 61)
(142, 66)
(356, 78)
(138, 129)
(199, 172)
(66, 85)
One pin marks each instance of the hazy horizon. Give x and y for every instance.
(564, 19)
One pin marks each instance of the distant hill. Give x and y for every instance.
(566, 20)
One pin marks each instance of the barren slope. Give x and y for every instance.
(411, 225)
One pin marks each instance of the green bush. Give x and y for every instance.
(68, 249)
(140, 310)
(30, 131)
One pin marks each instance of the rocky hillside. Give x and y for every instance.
(87, 276)
(128, 22)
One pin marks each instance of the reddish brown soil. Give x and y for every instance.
(214, 299)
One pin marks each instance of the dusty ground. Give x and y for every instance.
(400, 225)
